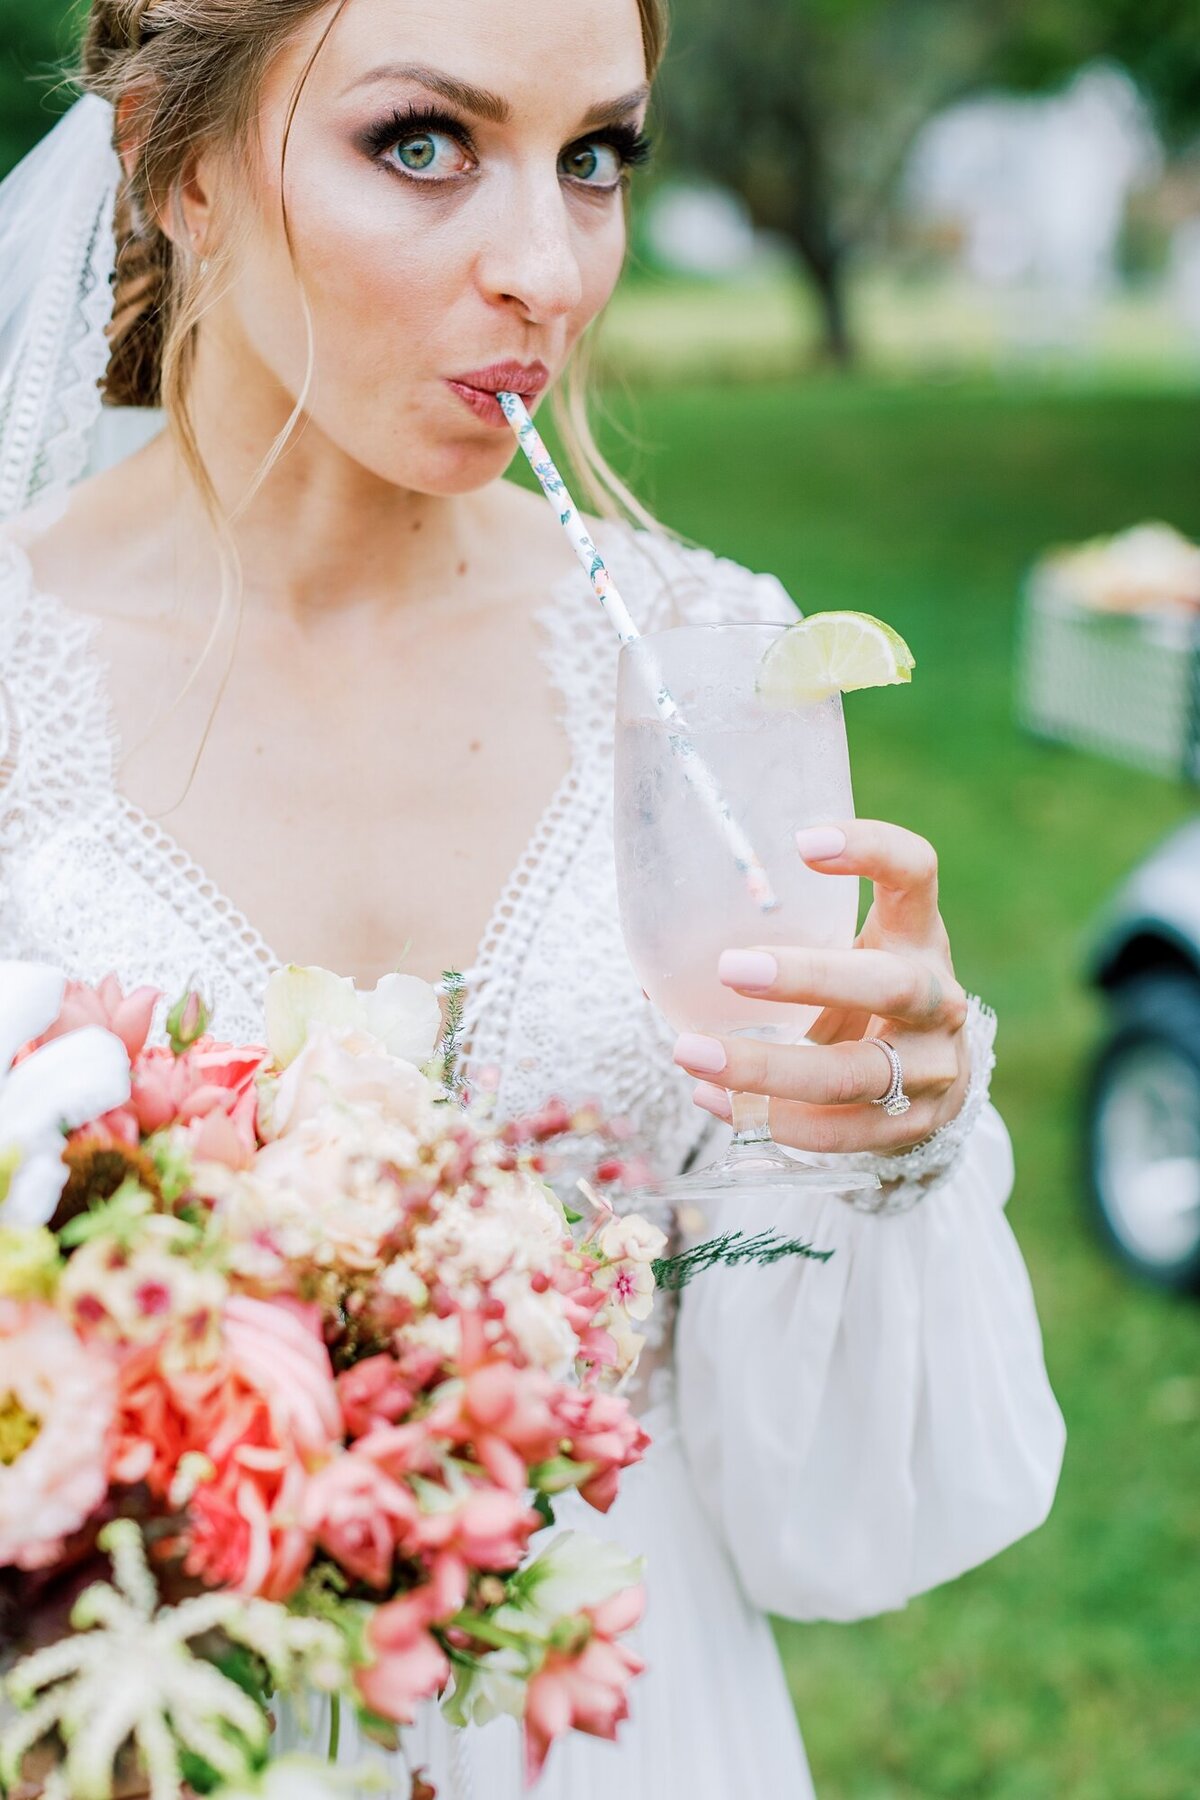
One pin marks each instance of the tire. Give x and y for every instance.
(1143, 1131)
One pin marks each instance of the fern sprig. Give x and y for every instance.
(728, 1251)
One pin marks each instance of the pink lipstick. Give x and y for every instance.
(478, 389)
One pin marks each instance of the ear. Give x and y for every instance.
(193, 209)
(128, 137)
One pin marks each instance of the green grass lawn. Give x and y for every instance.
(1070, 1667)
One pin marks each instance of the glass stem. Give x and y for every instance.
(750, 1115)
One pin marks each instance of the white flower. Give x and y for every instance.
(495, 1688)
(128, 1672)
(66, 1083)
(631, 1237)
(306, 1778)
(401, 1013)
(573, 1571)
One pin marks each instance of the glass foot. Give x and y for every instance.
(762, 1167)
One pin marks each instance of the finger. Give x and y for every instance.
(902, 866)
(879, 983)
(835, 1025)
(837, 1130)
(821, 1075)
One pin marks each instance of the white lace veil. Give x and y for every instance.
(57, 254)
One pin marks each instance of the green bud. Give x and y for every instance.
(187, 1021)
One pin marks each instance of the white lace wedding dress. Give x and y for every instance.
(829, 1439)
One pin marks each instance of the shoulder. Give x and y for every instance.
(673, 583)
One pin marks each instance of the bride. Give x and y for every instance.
(385, 734)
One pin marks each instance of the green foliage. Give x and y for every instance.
(808, 108)
(37, 47)
(728, 1252)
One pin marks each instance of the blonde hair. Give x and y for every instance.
(185, 73)
(181, 74)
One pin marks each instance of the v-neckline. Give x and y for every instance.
(562, 622)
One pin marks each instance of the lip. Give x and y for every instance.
(479, 388)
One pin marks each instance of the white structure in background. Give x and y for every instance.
(1184, 275)
(699, 230)
(1038, 189)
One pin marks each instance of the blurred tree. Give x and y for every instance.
(808, 108)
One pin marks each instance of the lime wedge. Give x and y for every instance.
(832, 653)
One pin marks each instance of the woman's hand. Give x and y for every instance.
(897, 983)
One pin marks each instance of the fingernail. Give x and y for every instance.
(818, 843)
(713, 1099)
(748, 969)
(705, 1054)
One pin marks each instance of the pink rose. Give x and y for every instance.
(348, 1073)
(354, 1511)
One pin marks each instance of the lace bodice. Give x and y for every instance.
(88, 881)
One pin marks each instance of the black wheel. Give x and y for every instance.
(1143, 1130)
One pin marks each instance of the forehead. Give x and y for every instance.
(541, 56)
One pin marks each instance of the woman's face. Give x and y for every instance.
(454, 195)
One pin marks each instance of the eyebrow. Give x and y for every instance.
(482, 103)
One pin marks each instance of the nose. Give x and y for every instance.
(531, 261)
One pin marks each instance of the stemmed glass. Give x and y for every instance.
(683, 898)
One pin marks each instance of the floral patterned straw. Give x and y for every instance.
(605, 589)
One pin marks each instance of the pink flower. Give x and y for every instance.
(602, 1430)
(489, 1529)
(265, 1417)
(409, 1663)
(354, 1510)
(505, 1413)
(584, 1689)
(56, 1410)
(209, 1091)
(374, 1392)
(127, 1016)
(278, 1347)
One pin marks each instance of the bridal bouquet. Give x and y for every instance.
(297, 1349)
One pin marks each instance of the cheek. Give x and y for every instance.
(601, 260)
(377, 281)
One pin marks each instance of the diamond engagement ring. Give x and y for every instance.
(895, 1101)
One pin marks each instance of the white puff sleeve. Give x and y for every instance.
(865, 1428)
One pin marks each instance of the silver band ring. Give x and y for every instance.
(895, 1101)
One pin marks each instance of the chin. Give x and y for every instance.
(460, 467)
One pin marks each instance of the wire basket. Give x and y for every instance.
(1124, 685)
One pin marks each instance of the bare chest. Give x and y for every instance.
(362, 802)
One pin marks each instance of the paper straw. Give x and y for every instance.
(695, 770)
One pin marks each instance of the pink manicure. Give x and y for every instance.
(754, 969)
(713, 1099)
(704, 1054)
(820, 843)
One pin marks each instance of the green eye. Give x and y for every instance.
(418, 153)
(598, 165)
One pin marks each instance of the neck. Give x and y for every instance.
(321, 532)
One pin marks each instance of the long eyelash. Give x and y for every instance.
(409, 121)
(632, 146)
